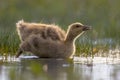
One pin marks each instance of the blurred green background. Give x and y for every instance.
(102, 15)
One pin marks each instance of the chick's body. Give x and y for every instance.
(49, 41)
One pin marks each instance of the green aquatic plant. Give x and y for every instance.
(9, 42)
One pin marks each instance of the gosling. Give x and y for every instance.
(51, 48)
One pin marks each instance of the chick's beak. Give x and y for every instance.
(85, 28)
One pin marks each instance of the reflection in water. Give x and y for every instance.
(98, 72)
(57, 69)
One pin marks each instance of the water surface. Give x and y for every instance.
(32, 68)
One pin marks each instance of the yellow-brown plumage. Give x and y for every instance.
(48, 41)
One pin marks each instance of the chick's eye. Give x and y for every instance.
(77, 26)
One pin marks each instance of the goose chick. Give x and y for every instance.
(48, 48)
(51, 31)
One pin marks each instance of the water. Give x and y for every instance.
(32, 68)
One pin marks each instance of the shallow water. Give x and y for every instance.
(32, 68)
